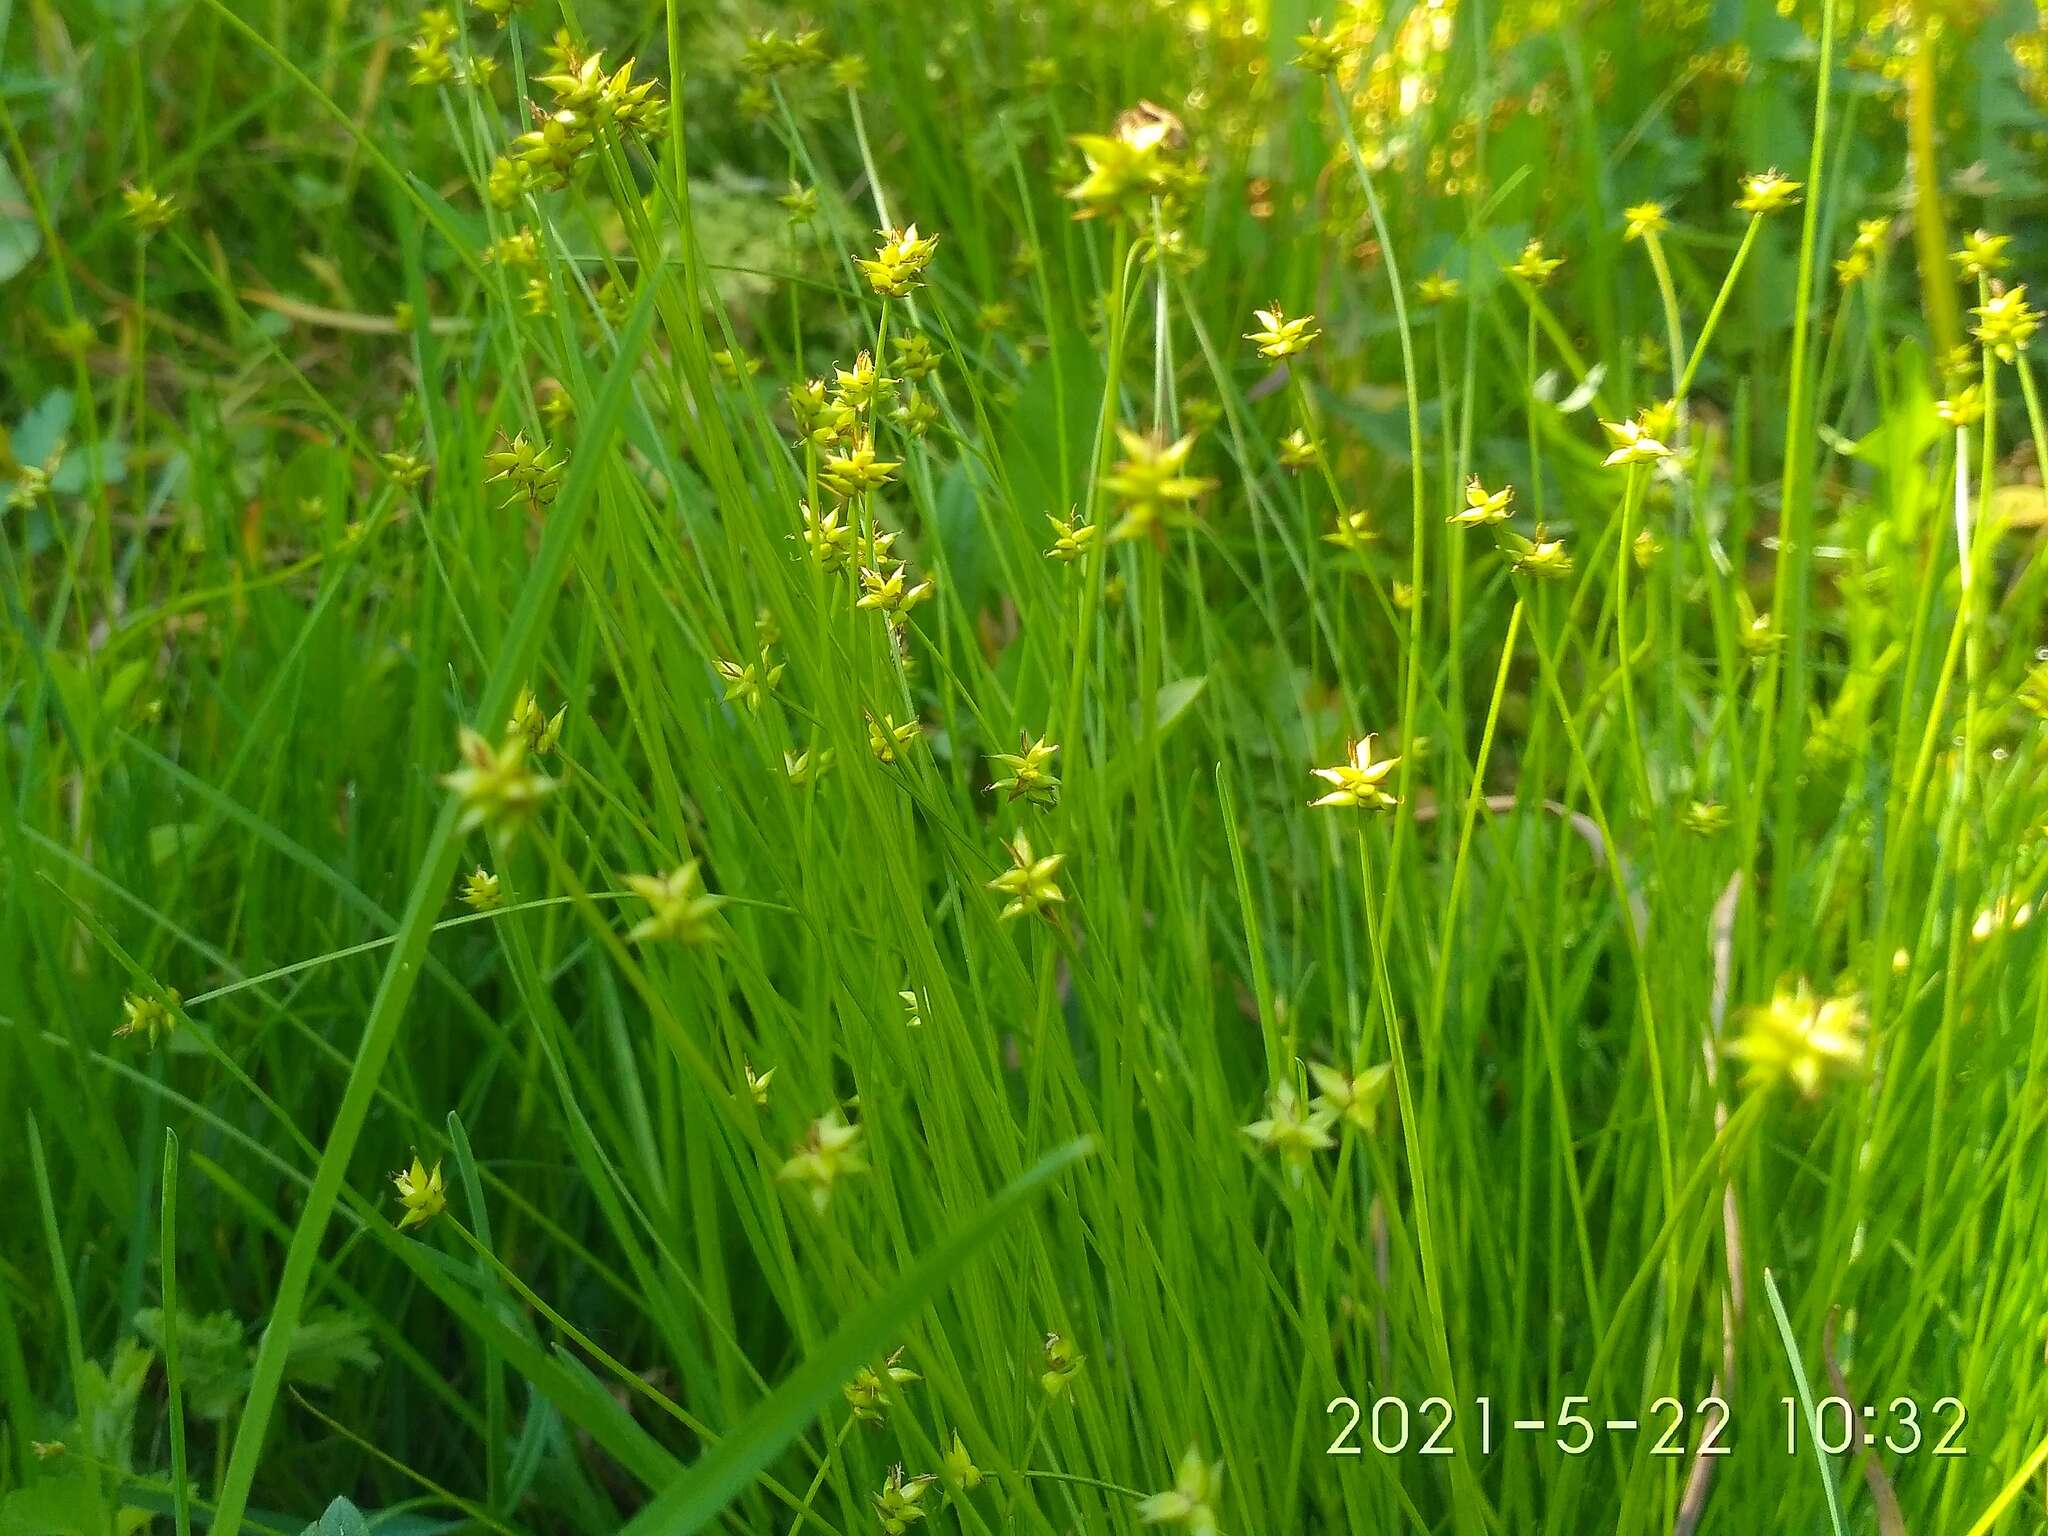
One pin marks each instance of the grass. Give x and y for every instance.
(1659, 1039)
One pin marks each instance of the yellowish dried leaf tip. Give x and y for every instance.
(829, 1152)
(1631, 443)
(1278, 336)
(494, 786)
(1360, 781)
(681, 908)
(899, 261)
(1644, 220)
(1483, 506)
(423, 1194)
(1031, 883)
(1801, 1039)
(1191, 1501)
(1767, 192)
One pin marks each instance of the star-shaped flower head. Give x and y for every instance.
(1483, 506)
(1320, 53)
(1983, 254)
(494, 786)
(1631, 443)
(1351, 1099)
(1031, 883)
(1071, 538)
(1360, 781)
(897, 1505)
(149, 1014)
(1801, 1039)
(1152, 483)
(1278, 336)
(828, 1153)
(680, 907)
(1191, 1501)
(1532, 266)
(1767, 192)
(1644, 220)
(868, 1393)
(899, 262)
(1353, 531)
(2005, 324)
(1438, 288)
(1130, 165)
(1027, 773)
(1293, 1129)
(423, 1194)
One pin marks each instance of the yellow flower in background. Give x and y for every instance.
(1801, 1039)
(1532, 266)
(1191, 1501)
(829, 1152)
(681, 908)
(1767, 192)
(1294, 1130)
(1152, 483)
(1643, 220)
(494, 786)
(1983, 254)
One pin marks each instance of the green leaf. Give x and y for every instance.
(695, 1499)
(340, 1519)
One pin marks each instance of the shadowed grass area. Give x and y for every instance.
(1021, 768)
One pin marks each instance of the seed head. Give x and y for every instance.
(1644, 220)
(1320, 54)
(1028, 772)
(1705, 818)
(1532, 266)
(898, 264)
(1360, 780)
(2005, 324)
(1354, 532)
(856, 471)
(1347, 1098)
(680, 908)
(482, 891)
(1072, 538)
(1438, 288)
(149, 1014)
(1298, 451)
(897, 1505)
(1130, 166)
(1767, 192)
(494, 785)
(1063, 1365)
(1983, 254)
(1278, 336)
(960, 1470)
(886, 738)
(1191, 1501)
(1152, 483)
(1631, 443)
(423, 1194)
(1482, 506)
(1542, 557)
(828, 1153)
(1031, 883)
(1292, 1129)
(1965, 408)
(1800, 1039)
